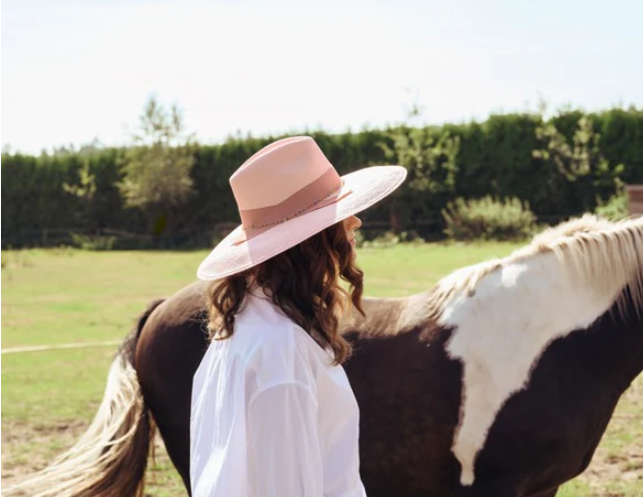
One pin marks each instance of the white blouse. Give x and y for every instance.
(271, 416)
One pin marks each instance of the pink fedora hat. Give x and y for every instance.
(287, 192)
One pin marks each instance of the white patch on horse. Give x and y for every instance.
(502, 329)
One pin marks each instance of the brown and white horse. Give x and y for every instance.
(500, 381)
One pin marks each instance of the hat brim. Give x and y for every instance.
(361, 189)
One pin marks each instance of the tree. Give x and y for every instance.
(429, 155)
(157, 168)
(86, 187)
(84, 150)
(430, 159)
(580, 163)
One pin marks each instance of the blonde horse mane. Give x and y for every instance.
(592, 250)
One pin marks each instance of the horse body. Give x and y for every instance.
(499, 381)
(409, 389)
(387, 371)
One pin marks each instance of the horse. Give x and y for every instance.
(498, 381)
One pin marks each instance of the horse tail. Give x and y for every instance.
(110, 458)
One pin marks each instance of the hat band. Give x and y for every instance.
(317, 194)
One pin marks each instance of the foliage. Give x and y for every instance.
(615, 208)
(157, 169)
(86, 186)
(488, 219)
(429, 157)
(581, 164)
(575, 167)
(388, 239)
(85, 149)
(93, 242)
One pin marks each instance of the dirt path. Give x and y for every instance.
(26, 450)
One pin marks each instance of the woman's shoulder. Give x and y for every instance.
(262, 323)
(276, 349)
(264, 353)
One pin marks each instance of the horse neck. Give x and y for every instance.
(385, 316)
(626, 321)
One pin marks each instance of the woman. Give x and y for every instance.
(273, 413)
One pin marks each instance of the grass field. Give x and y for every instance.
(68, 296)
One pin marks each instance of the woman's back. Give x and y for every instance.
(278, 411)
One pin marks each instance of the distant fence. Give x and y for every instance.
(200, 238)
(111, 239)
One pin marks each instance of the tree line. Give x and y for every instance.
(166, 184)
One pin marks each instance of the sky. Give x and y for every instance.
(76, 70)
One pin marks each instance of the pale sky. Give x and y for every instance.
(75, 70)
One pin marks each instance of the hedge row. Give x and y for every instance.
(494, 157)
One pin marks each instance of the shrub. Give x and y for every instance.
(93, 242)
(411, 237)
(386, 239)
(616, 208)
(488, 219)
(359, 238)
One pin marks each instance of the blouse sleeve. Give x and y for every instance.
(284, 451)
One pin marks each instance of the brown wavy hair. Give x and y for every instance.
(305, 282)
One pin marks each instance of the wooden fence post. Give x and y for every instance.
(635, 199)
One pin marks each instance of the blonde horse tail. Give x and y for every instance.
(110, 459)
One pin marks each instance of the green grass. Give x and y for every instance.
(68, 296)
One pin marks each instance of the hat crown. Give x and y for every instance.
(278, 171)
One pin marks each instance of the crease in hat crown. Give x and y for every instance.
(284, 180)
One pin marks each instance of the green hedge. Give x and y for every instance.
(494, 158)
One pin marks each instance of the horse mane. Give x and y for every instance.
(592, 250)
